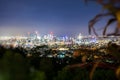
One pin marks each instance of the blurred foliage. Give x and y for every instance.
(118, 72)
(72, 74)
(38, 75)
(110, 8)
(46, 66)
(14, 65)
(101, 74)
(114, 50)
(83, 74)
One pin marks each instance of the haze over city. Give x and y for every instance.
(63, 17)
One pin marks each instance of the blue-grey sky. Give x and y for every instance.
(62, 17)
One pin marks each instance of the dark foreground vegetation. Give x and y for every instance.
(15, 64)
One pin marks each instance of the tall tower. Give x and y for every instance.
(79, 36)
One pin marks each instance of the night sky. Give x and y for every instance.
(62, 17)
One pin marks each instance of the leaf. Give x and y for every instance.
(118, 16)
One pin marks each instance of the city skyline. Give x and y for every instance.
(62, 17)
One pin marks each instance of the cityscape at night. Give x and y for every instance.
(59, 39)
